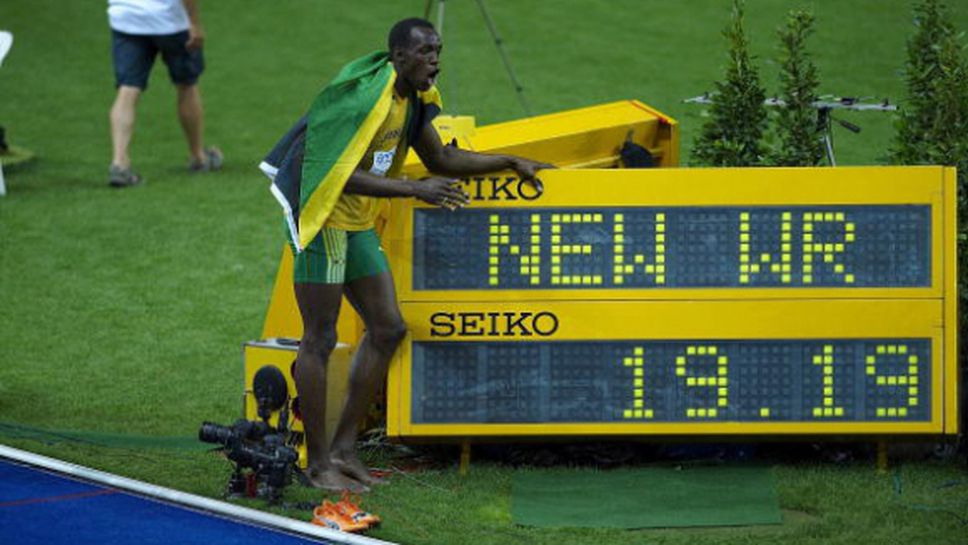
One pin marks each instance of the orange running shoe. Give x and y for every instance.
(320, 520)
(355, 512)
(330, 512)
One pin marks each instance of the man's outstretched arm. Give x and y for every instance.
(434, 190)
(450, 161)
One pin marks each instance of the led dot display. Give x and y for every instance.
(864, 380)
(643, 247)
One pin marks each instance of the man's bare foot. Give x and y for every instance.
(351, 466)
(334, 480)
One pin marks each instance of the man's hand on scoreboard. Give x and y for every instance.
(445, 192)
(528, 169)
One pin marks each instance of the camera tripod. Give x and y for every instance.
(498, 42)
(824, 118)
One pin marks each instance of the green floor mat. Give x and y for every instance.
(645, 498)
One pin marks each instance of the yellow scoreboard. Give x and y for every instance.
(679, 301)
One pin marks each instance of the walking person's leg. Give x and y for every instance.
(192, 119)
(185, 67)
(123, 114)
(133, 57)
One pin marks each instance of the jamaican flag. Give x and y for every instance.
(310, 164)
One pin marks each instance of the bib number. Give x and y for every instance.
(382, 161)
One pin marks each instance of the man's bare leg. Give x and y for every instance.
(375, 299)
(192, 119)
(122, 117)
(319, 306)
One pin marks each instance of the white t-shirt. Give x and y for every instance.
(147, 16)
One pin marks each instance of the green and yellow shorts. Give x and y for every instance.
(336, 256)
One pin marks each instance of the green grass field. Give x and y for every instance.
(123, 312)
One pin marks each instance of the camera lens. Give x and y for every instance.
(214, 433)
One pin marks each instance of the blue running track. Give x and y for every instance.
(37, 507)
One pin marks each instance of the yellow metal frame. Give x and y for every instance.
(588, 137)
(577, 189)
(950, 237)
(711, 313)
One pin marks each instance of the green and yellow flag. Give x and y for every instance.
(311, 164)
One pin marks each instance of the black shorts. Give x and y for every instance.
(134, 55)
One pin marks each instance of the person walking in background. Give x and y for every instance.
(141, 29)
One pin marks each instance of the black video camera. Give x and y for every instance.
(259, 448)
(264, 462)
